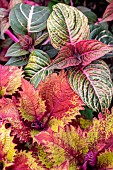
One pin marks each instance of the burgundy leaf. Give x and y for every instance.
(90, 50)
(108, 14)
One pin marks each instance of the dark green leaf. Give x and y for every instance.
(16, 50)
(24, 18)
(17, 61)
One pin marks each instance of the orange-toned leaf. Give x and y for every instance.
(31, 105)
(61, 101)
(10, 79)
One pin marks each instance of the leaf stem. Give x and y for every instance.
(71, 2)
(12, 36)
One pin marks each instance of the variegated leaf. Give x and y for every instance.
(25, 18)
(93, 84)
(35, 71)
(108, 14)
(67, 24)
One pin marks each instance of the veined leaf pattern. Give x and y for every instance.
(10, 79)
(25, 18)
(93, 84)
(61, 101)
(108, 14)
(31, 105)
(81, 53)
(67, 24)
(36, 69)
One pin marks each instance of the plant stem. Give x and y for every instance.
(71, 2)
(12, 36)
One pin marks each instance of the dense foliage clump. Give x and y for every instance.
(56, 86)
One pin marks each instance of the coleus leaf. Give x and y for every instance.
(7, 151)
(9, 114)
(35, 70)
(25, 19)
(81, 53)
(66, 143)
(61, 101)
(66, 24)
(78, 146)
(10, 79)
(16, 50)
(93, 84)
(108, 14)
(25, 161)
(63, 166)
(31, 105)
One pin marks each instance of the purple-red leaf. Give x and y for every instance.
(81, 53)
(108, 14)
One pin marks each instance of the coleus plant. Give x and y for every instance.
(44, 116)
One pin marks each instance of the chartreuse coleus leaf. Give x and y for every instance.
(25, 161)
(25, 19)
(7, 151)
(81, 53)
(66, 24)
(93, 84)
(61, 101)
(31, 105)
(10, 79)
(64, 166)
(64, 145)
(74, 144)
(36, 69)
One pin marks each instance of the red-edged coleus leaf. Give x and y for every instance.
(25, 161)
(61, 101)
(63, 166)
(66, 144)
(31, 105)
(108, 14)
(7, 151)
(9, 114)
(81, 53)
(10, 79)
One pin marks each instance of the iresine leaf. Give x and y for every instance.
(25, 161)
(31, 105)
(16, 50)
(61, 101)
(10, 79)
(36, 69)
(81, 53)
(24, 18)
(7, 151)
(108, 14)
(93, 84)
(66, 24)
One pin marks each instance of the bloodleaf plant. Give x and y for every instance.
(61, 73)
